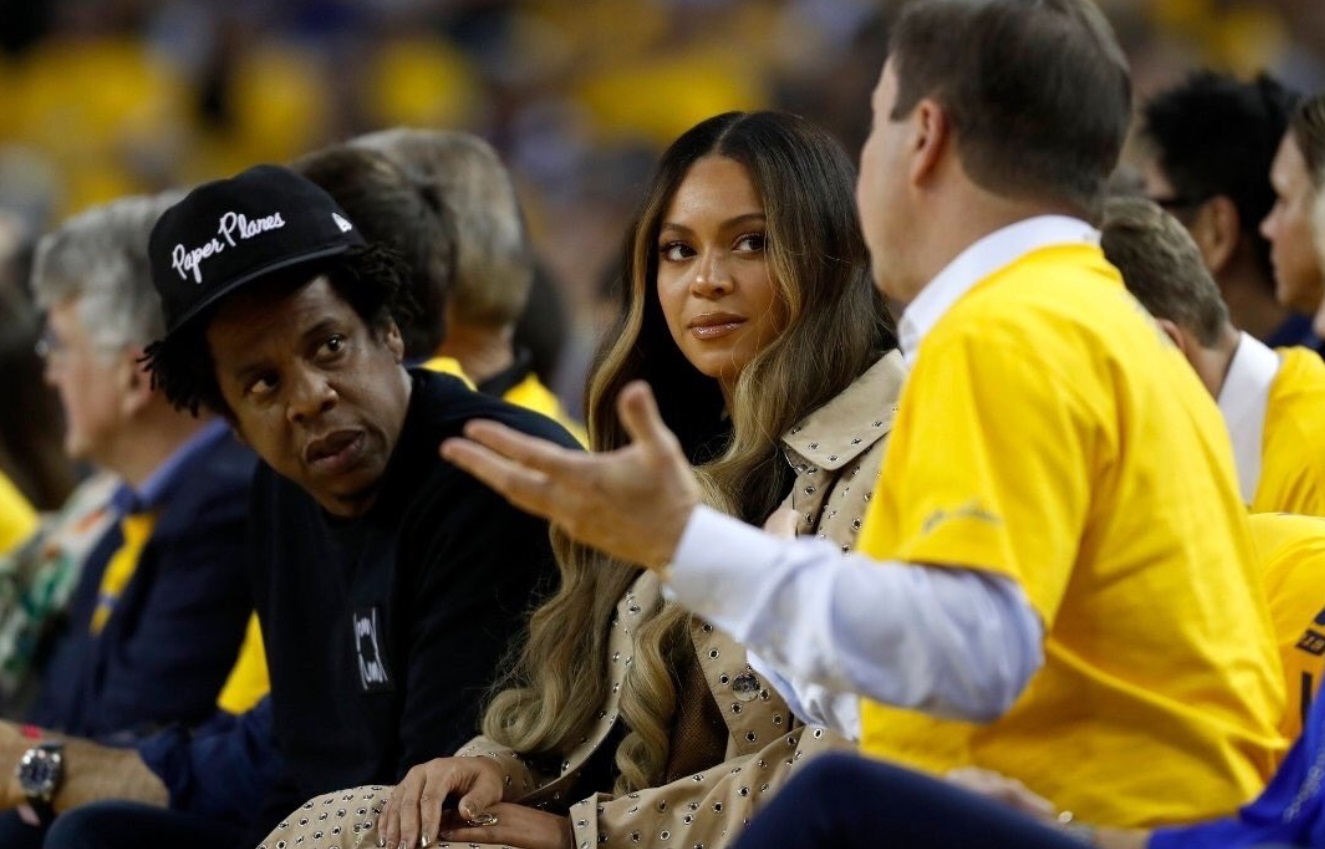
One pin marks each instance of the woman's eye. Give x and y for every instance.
(675, 251)
(752, 242)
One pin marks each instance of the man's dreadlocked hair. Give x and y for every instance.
(373, 280)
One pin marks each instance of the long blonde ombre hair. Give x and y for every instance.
(836, 327)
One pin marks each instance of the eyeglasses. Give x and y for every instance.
(48, 347)
(51, 350)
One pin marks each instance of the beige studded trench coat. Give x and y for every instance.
(836, 452)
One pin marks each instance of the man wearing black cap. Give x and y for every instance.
(388, 582)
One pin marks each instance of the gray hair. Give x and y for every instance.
(100, 258)
(493, 268)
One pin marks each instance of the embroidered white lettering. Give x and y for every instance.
(232, 226)
(184, 260)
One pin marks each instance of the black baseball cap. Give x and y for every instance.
(229, 233)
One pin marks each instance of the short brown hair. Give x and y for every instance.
(1307, 127)
(1038, 91)
(397, 212)
(1162, 267)
(494, 266)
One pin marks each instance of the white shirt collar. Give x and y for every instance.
(978, 261)
(1243, 400)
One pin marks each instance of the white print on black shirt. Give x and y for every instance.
(373, 674)
(232, 226)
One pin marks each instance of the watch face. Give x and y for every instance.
(39, 772)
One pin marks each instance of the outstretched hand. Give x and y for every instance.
(632, 503)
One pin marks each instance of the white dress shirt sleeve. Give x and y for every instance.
(814, 704)
(956, 643)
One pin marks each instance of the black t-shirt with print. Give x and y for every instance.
(385, 632)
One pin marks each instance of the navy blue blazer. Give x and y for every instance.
(175, 631)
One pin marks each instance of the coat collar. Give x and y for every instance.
(844, 428)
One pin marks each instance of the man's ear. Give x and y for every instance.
(134, 381)
(395, 342)
(1217, 229)
(1174, 332)
(932, 132)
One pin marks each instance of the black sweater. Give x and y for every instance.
(385, 632)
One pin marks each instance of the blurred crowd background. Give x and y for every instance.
(100, 98)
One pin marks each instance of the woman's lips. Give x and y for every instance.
(714, 327)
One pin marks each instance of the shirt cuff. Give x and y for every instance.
(717, 569)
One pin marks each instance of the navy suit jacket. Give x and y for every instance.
(175, 631)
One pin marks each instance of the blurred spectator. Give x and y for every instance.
(493, 264)
(1213, 138)
(1298, 175)
(31, 453)
(158, 612)
(405, 215)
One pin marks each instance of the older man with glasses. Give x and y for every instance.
(157, 605)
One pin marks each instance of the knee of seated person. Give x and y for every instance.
(832, 767)
(87, 827)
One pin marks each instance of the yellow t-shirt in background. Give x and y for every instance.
(1291, 550)
(529, 393)
(17, 518)
(1293, 444)
(448, 365)
(1052, 434)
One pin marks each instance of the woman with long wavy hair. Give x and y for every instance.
(749, 307)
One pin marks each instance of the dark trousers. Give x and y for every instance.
(850, 802)
(127, 825)
(16, 834)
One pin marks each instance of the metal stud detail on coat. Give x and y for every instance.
(746, 686)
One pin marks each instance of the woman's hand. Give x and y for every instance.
(413, 813)
(516, 825)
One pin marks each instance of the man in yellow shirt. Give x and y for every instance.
(1273, 401)
(1055, 578)
(1274, 406)
(1291, 550)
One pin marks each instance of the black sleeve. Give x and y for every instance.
(481, 568)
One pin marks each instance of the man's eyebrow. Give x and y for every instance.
(317, 331)
(246, 370)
